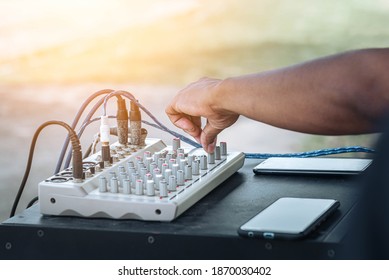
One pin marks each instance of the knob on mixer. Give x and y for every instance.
(223, 148)
(114, 185)
(188, 172)
(196, 167)
(176, 144)
(102, 184)
(180, 178)
(150, 188)
(139, 187)
(172, 183)
(203, 162)
(126, 186)
(163, 188)
(217, 153)
(211, 158)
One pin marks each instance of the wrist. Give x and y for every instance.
(221, 97)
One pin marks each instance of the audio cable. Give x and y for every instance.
(75, 122)
(77, 158)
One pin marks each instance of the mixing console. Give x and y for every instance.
(145, 182)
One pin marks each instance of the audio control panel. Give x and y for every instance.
(150, 182)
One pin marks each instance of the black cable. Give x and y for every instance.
(76, 147)
(86, 120)
(93, 111)
(74, 124)
(31, 203)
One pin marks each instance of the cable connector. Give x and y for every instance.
(122, 121)
(104, 130)
(104, 138)
(135, 124)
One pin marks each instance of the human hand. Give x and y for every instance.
(201, 99)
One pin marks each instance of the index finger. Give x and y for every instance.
(191, 125)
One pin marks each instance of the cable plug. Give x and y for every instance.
(104, 138)
(122, 122)
(135, 124)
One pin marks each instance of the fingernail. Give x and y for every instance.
(181, 124)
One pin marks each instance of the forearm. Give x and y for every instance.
(334, 95)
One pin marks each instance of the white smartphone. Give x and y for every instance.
(341, 166)
(289, 218)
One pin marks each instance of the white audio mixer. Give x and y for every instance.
(150, 182)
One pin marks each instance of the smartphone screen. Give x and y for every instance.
(345, 166)
(289, 218)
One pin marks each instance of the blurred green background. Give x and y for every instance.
(175, 42)
(53, 54)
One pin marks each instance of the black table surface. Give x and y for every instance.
(208, 230)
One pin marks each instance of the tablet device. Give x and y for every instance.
(345, 166)
(289, 218)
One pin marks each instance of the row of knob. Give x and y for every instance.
(161, 173)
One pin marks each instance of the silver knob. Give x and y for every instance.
(148, 162)
(147, 177)
(167, 173)
(164, 167)
(130, 164)
(143, 172)
(112, 174)
(203, 162)
(134, 177)
(160, 162)
(156, 171)
(131, 170)
(122, 169)
(211, 158)
(122, 177)
(146, 155)
(188, 172)
(190, 159)
(217, 153)
(126, 186)
(169, 156)
(140, 165)
(176, 144)
(223, 148)
(175, 168)
(163, 188)
(196, 167)
(157, 179)
(171, 162)
(102, 184)
(153, 165)
(139, 187)
(172, 183)
(180, 178)
(157, 156)
(182, 163)
(114, 185)
(150, 188)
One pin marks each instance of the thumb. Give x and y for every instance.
(208, 137)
